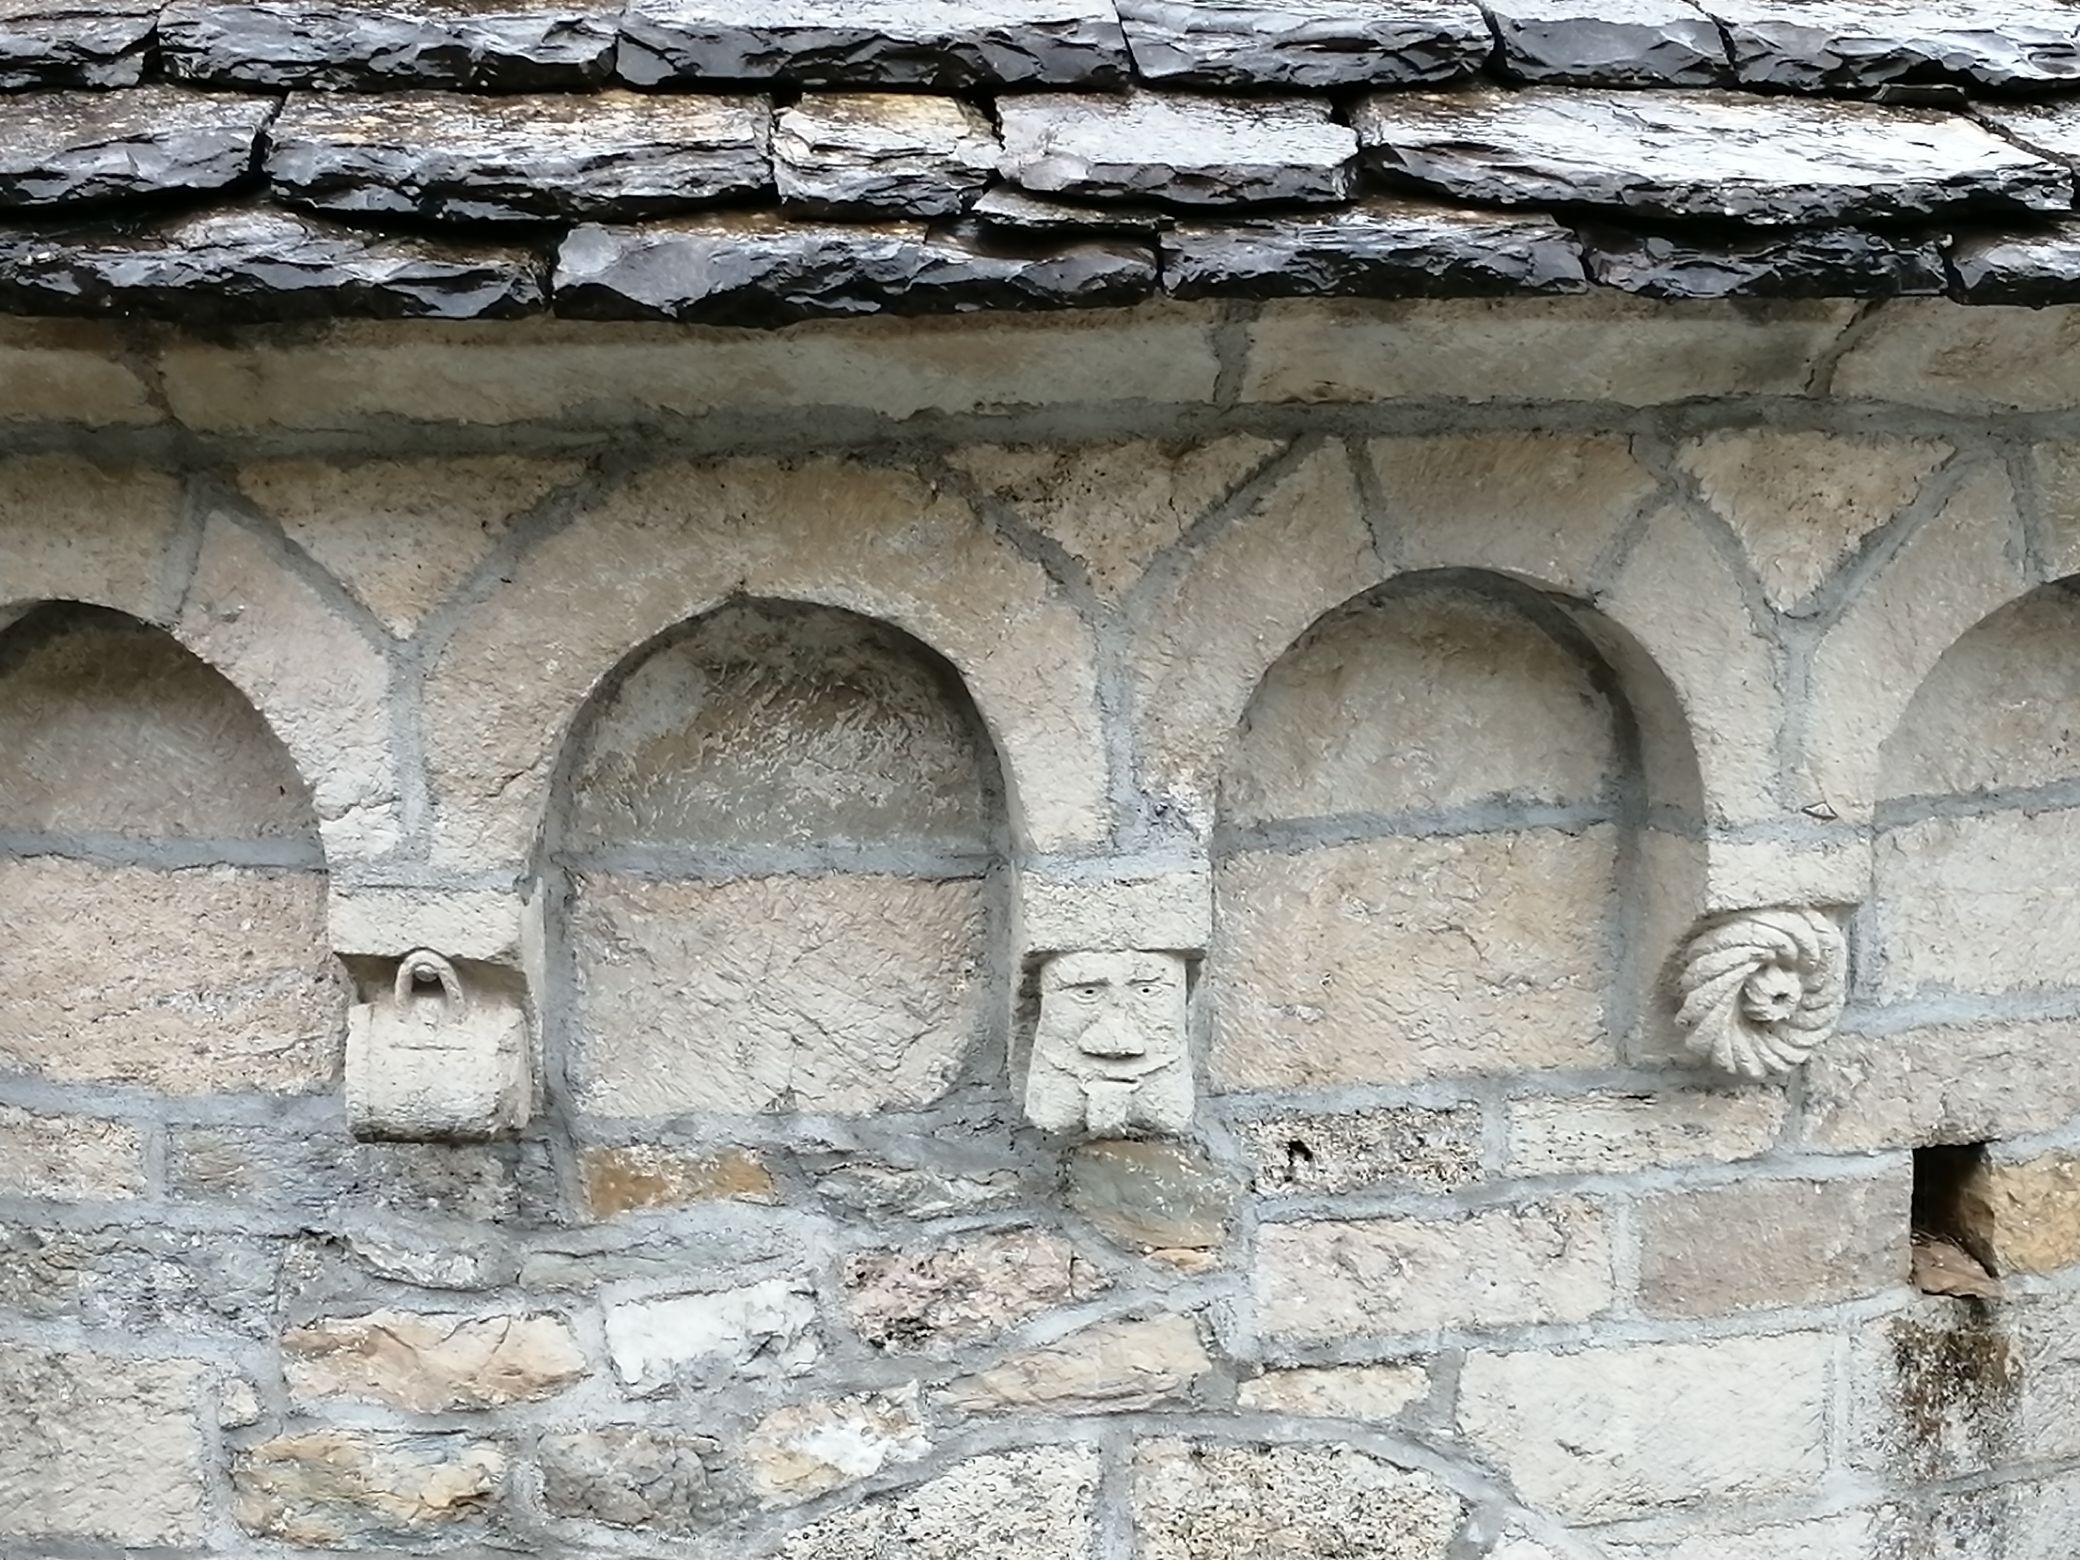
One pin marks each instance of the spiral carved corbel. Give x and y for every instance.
(1758, 992)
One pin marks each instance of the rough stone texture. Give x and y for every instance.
(1115, 508)
(70, 147)
(110, 729)
(2023, 1216)
(2031, 269)
(1821, 45)
(1113, 1367)
(1397, 1146)
(74, 43)
(687, 1001)
(934, 1297)
(1383, 247)
(1708, 155)
(1153, 1195)
(859, 154)
(1598, 1434)
(881, 43)
(1944, 1389)
(1777, 263)
(631, 1477)
(1208, 1501)
(1034, 1503)
(1973, 904)
(95, 1447)
(1373, 1393)
(372, 45)
(805, 1449)
(915, 1191)
(1636, 43)
(402, 535)
(759, 1330)
(246, 264)
(639, 1176)
(1320, 1280)
(140, 1279)
(1468, 700)
(1803, 504)
(1012, 209)
(195, 981)
(755, 269)
(1308, 44)
(431, 1363)
(1759, 1244)
(314, 1175)
(340, 1488)
(444, 157)
(1402, 960)
(1178, 149)
(1942, 1083)
(1610, 1134)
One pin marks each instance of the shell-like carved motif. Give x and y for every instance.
(1760, 991)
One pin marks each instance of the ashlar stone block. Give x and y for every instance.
(1603, 1434)
(1209, 1501)
(1755, 1244)
(1319, 1280)
(1113, 1367)
(933, 1297)
(430, 1363)
(2023, 1215)
(345, 1488)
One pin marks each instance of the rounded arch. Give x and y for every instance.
(162, 882)
(775, 843)
(673, 545)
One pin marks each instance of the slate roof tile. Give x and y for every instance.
(1781, 263)
(1712, 155)
(1608, 43)
(1179, 149)
(1813, 45)
(74, 43)
(853, 154)
(1304, 43)
(59, 148)
(446, 156)
(941, 45)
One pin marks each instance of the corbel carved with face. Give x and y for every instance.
(1109, 1055)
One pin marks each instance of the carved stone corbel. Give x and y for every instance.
(432, 1060)
(1759, 991)
(1110, 1057)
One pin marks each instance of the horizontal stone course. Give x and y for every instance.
(74, 43)
(1303, 43)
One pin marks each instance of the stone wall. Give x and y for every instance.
(1495, 726)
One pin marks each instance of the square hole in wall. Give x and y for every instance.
(1945, 1262)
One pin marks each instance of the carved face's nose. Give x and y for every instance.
(1112, 1035)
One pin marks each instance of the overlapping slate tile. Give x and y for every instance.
(757, 269)
(448, 156)
(371, 45)
(850, 154)
(2048, 129)
(59, 148)
(74, 43)
(1015, 211)
(1829, 45)
(1765, 161)
(2035, 268)
(944, 45)
(253, 263)
(1381, 248)
(1608, 43)
(1180, 149)
(1780, 263)
(1304, 43)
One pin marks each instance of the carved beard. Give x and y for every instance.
(1066, 1090)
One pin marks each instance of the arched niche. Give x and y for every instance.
(779, 834)
(162, 886)
(1976, 859)
(1458, 827)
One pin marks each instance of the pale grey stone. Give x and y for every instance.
(632, 1476)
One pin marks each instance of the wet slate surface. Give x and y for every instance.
(1712, 155)
(370, 45)
(1179, 149)
(74, 43)
(882, 154)
(755, 269)
(1383, 248)
(447, 157)
(2028, 268)
(1827, 45)
(1614, 43)
(68, 148)
(943, 45)
(1305, 44)
(2048, 129)
(244, 264)
(1819, 263)
(1015, 211)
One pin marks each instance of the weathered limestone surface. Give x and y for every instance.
(1602, 1134)
(2024, 1216)
(1034, 1503)
(630, 1477)
(1430, 1149)
(762, 1329)
(802, 1450)
(429, 1363)
(340, 1488)
(1107, 1368)
(931, 1298)
(97, 1447)
(1230, 1502)
(1725, 1249)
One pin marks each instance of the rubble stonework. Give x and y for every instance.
(1197, 930)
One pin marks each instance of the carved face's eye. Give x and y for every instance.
(1147, 988)
(1086, 993)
